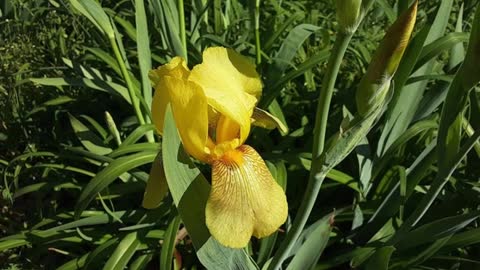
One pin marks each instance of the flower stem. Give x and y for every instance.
(256, 17)
(183, 35)
(128, 81)
(316, 174)
(323, 107)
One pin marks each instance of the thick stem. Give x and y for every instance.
(328, 85)
(314, 184)
(317, 172)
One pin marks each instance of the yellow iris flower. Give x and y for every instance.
(213, 106)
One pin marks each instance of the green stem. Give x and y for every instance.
(258, 50)
(317, 172)
(128, 81)
(323, 107)
(314, 184)
(183, 35)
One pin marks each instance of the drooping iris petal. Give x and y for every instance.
(157, 186)
(176, 68)
(244, 200)
(190, 110)
(264, 119)
(231, 84)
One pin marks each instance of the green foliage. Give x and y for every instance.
(397, 187)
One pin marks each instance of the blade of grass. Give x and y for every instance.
(141, 262)
(144, 60)
(290, 75)
(104, 86)
(88, 139)
(106, 58)
(457, 53)
(96, 257)
(108, 175)
(426, 253)
(285, 55)
(391, 16)
(310, 251)
(93, 11)
(435, 230)
(441, 179)
(124, 251)
(169, 242)
(276, 35)
(444, 43)
(381, 259)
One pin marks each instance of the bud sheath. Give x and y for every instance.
(348, 14)
(374, 85)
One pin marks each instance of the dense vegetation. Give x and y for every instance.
(77, 146)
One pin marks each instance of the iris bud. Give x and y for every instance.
(375, 83)
(348, 13)
(112, 127)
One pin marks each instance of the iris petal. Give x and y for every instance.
(264, 119)
(190, 110)
(226, 130)
(157, 186)
(244, 200)
(231, 84)
(176, 68)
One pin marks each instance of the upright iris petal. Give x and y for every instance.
(177, 68)
(189, 107)
(213, 106)
(231, 84)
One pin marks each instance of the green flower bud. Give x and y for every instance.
(112, 127)
(348, 13)
(375, 84)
